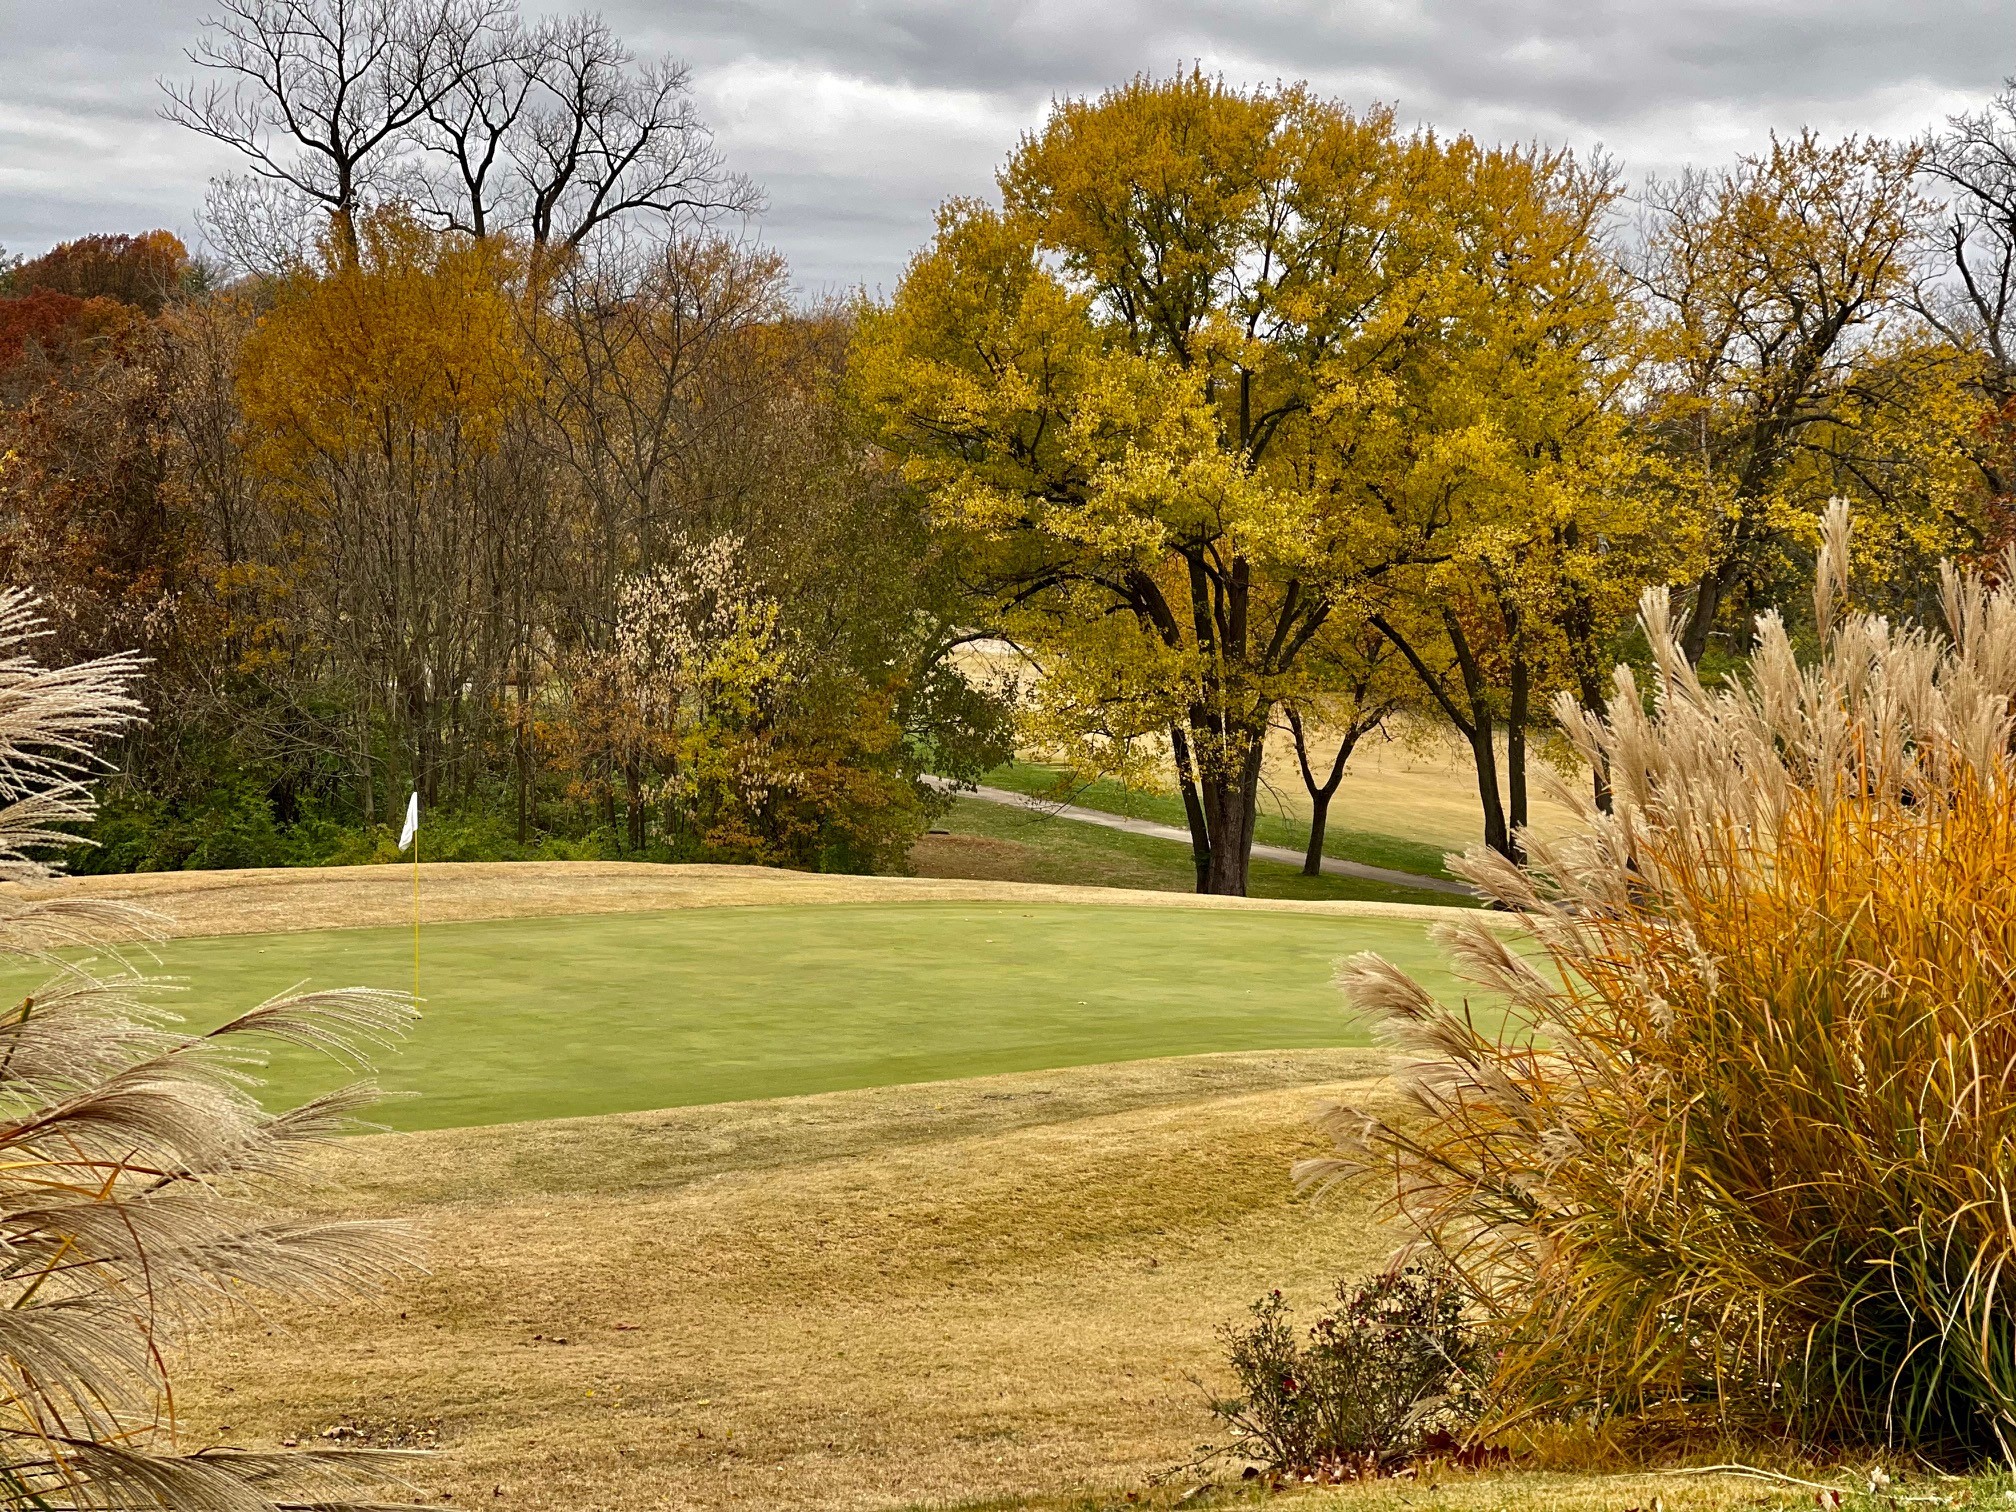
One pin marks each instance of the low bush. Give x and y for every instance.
(233, 827)
(1391, 1368)
(227, 827)
(1742, 1156)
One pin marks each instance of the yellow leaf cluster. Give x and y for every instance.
(416, 333)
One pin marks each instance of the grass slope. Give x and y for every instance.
(585, 1014)
(917, 1295)
(1371, 847)
(996, 1293)
(997, 842)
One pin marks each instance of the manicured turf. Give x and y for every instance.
(553, 1017)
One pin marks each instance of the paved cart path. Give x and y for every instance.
(1331, 864)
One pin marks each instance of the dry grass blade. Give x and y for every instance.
(138, 1176)
(1745, 1157)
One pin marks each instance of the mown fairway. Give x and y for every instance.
(584, 1014)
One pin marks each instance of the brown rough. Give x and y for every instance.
(273, 900)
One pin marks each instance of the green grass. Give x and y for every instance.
(1365, 846)
(1071, 851)
(583, 1014)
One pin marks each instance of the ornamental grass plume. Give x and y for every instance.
(137, 1174)
(1742, 1157)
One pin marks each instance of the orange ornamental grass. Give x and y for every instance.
(1744, 1155)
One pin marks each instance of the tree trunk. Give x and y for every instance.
(1593, 702)
(1193, 807)
(1319, 820)
(366, 779)
(1515, 757)
(521, 752)
(633, 795)
(1585, 656)
(1472, 718)
(1230, 801)
(1483, 737)
(1482, 733)
(1709, 594)
(1320, 793)
(1227, 875)
(419, 725)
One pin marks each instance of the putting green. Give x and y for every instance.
(601, 1013)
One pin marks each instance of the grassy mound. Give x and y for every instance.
(1015, 844)
(983, 1294)
(926, 1294)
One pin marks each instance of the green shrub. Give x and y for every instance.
(1385, 1372)
(230, 827)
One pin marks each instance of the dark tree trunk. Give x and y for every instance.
(1515, 757)
(1483, 738)
(1701, 618)
(1711, 595)
(1585, 656)
(1220, 807)
(1217, 752)
(367, 785)
(1193, 807)
(1589, 689)
(1320, 793)
(1472, 718)
(1472, 722)
(633, 795)
(521, 751)
(1230, 801)
(1319, 821)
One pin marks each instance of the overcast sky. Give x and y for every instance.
(859, 116)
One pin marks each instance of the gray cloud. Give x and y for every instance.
(859, 116)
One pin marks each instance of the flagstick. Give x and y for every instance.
(416, 913)
(410, 835)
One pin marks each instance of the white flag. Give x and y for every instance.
(412, 822)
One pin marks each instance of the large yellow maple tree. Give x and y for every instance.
(1218, 366)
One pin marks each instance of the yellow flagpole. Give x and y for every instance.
(416, 906)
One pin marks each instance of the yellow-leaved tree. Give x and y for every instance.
(1495, 468)
(1106, 387)
(1785, 367)
(379, 391)
(1220, 366)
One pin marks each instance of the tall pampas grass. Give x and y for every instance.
(138, 1176)
(1742, 1155)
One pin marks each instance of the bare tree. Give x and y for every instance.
(605, 139)
(466, 180)
(458, 107)
(1975, 161)
(318, 97)
(647, 361)
(1970, 296)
